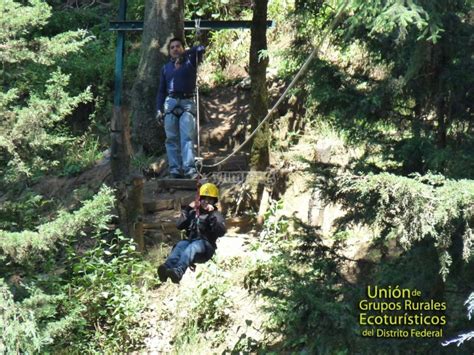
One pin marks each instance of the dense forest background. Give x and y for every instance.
(392, 83)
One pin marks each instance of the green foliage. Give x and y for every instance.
(38, 308)
(109, 281)
(246, 344)
(142, 162)
(85, 300)
(54, 287)
(30, 245)
(99, 51)
(31, 136)
(412, 209)
(308, 300)
(278, 10)
(386, 17)
(214, 9)
(22, 213)
(224, 47)
(393, 62)
(466, 336)
(228, 47)
(275, 224)
(312, 290)
(28, 57)
(82, 153)
(34, 101)
(212, 307)
(17, 47)
(209, 307)
(33, 324)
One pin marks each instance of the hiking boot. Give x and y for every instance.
(162, 273)
(174, 275)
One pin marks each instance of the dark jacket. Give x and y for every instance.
(181, 80)
(211, 225)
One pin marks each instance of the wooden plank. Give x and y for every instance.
(166, 227)
(168, 201)
(178, 184)
(235, 163)
(243, 222)
(159, 205)
(159, 226)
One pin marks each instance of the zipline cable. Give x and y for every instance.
(198, 159)
(302, 70)
(197, 25)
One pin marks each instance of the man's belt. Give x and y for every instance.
(181, 95)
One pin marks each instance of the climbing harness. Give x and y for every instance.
(298, 75)
(178, 111)
(198, 185)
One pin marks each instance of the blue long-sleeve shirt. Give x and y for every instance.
(180, 80)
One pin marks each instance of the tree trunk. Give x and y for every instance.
(442, 126)
(259, 95)
(164, 19)
(129, 190)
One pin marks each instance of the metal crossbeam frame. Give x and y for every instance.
(122, 26)
(188, 25)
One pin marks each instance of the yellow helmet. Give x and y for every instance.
(209, 190)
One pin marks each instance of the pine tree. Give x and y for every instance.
(34, 100)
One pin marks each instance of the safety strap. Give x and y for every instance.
(178, 111)
(198, 197)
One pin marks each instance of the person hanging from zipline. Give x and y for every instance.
(176, 106)
(203, 224)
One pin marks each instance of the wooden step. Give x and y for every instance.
(237, 162)
(178, 184)
(159, 205)
(241, 223)
(154, 202)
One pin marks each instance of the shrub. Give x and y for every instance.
(411, 209)
(35, 323)
(109, 282)
(209, 308)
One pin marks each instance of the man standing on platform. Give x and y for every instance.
(177, 107)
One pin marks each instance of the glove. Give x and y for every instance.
(159, 118)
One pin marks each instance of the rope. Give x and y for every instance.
(198, 159)
(302, 70)
(197, 24)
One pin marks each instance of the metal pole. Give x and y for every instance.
(119, 55)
